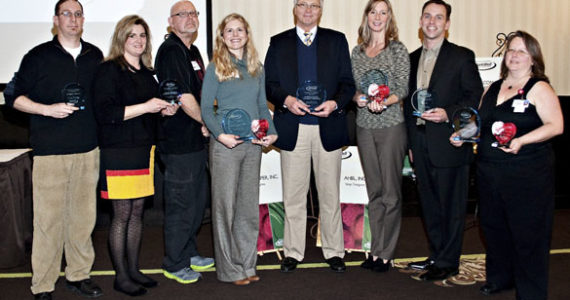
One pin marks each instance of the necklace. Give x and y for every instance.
(510, 86)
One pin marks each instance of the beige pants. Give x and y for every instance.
(64, 188)
(296, 172)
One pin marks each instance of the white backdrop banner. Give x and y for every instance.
(270, 188)
(352, 184)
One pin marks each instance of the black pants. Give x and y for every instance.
(186, 194)
(443, 196)
(517, 207)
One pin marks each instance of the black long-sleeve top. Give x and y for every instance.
(114, 88)
(43, 74)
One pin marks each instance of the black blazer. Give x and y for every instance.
(455, 83)
(334, 71)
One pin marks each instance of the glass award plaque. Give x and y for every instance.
(504, 133)
(467, 124)
(374, 84)
(311, 93)
(74, 94)
(238, 122)
(422, 100)
(169, 90)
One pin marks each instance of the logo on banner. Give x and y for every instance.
(489, 69)
(346, 154)
(484, 65)
(269, 177)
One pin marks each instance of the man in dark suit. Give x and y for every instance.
(450, 74)
(308, 52)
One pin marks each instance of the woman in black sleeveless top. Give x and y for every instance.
(516, 178)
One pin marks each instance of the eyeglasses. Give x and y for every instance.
(303, 5)
(66, 13)
(517, 52)
(185, 14)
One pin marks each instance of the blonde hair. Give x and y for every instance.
(122, 30)
(364, 34)
(225, 68)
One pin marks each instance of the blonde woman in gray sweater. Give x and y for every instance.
(235, 80)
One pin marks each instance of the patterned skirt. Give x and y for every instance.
(127, 173)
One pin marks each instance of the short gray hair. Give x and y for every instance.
(322, 2)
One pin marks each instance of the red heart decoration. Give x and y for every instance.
(259, 128)
(378, 92)
(384, 91)
(504, 132)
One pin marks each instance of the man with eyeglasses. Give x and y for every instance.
(53, 86)
(310, 53)
(182, 149)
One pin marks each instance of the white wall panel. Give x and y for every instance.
(474, 24)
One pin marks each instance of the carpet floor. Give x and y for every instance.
(313, 279)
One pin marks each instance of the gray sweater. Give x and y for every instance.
(246, 92)
(394, 61)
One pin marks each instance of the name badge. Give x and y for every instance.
(520, 105)
(196, 66)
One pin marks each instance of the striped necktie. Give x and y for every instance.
(307, 40)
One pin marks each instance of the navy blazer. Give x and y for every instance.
(334, 72)
(455, 83)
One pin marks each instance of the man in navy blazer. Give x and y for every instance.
(450, 74)
(308, 52)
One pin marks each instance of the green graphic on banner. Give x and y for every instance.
(277, 217)
(366, 237)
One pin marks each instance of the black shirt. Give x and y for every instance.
(174, 61)
(114, 88)
(525, 121)
(43, 74)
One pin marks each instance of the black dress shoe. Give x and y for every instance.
(137, 292)
(147, 284)
(145, 281)
(421, 265)
(368, 263)
(85, 288)
(380, 267)
(43, 296)
(289, 264)
(491, 288)
(336, 264)
(436, 273)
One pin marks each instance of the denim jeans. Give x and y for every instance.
(186, 194)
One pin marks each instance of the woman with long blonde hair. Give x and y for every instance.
(235, 80)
